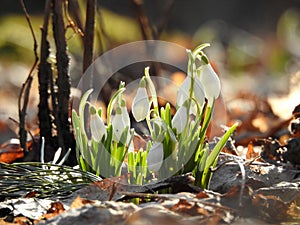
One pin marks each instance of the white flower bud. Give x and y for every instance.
(118, 125)
(210, 82)
(155, 157)
(180, 119)
(141, 104)
(124, 113)
(98, 129)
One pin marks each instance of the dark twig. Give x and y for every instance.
(89, 31)
(73, 8)
(25, 90)
(165, 19)
(112, 192)
(147, 31)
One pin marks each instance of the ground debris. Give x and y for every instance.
(268, 193)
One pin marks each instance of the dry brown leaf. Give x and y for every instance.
(251, 153)
(202, 194)
(79, 202)
(182, 206)
(55, 209)
(10, 151)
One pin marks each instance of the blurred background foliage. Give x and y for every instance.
(253, 36)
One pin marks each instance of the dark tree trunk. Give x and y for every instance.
(44, 74)
(65, 136)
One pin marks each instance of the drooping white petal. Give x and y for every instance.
(199, 91)
(183, 91)
(98, 129)
(180, 119)
(118, 125)
(125, 113)
(155, 157)
(210, 82)
(141, 104)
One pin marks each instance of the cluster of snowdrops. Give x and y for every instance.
(177, 143)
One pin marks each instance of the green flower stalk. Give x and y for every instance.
(152, 91)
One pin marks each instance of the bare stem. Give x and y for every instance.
(25, 90)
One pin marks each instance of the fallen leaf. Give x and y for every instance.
(55, 209)
(202, 194)
(251, 152)
(11, 151)
(79, 202)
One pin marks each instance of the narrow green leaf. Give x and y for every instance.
(168, 114)
(203, 159)
(82, 104)
(131, 164)
(216, 150)
(211, 159)
(112, 102)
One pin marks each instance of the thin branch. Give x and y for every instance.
(25, 90)
(74, 9)
(147, 31)
(165, 19)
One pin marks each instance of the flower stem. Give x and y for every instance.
(113, 100)
(152, 92)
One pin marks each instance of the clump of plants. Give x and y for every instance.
(177, 142)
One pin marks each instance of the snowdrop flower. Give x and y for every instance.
(180, 119)
(155, 157)
(118, 125)
(184, 91)
(125, 113)
(210, 82)
(98, 129)
(141, 104)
